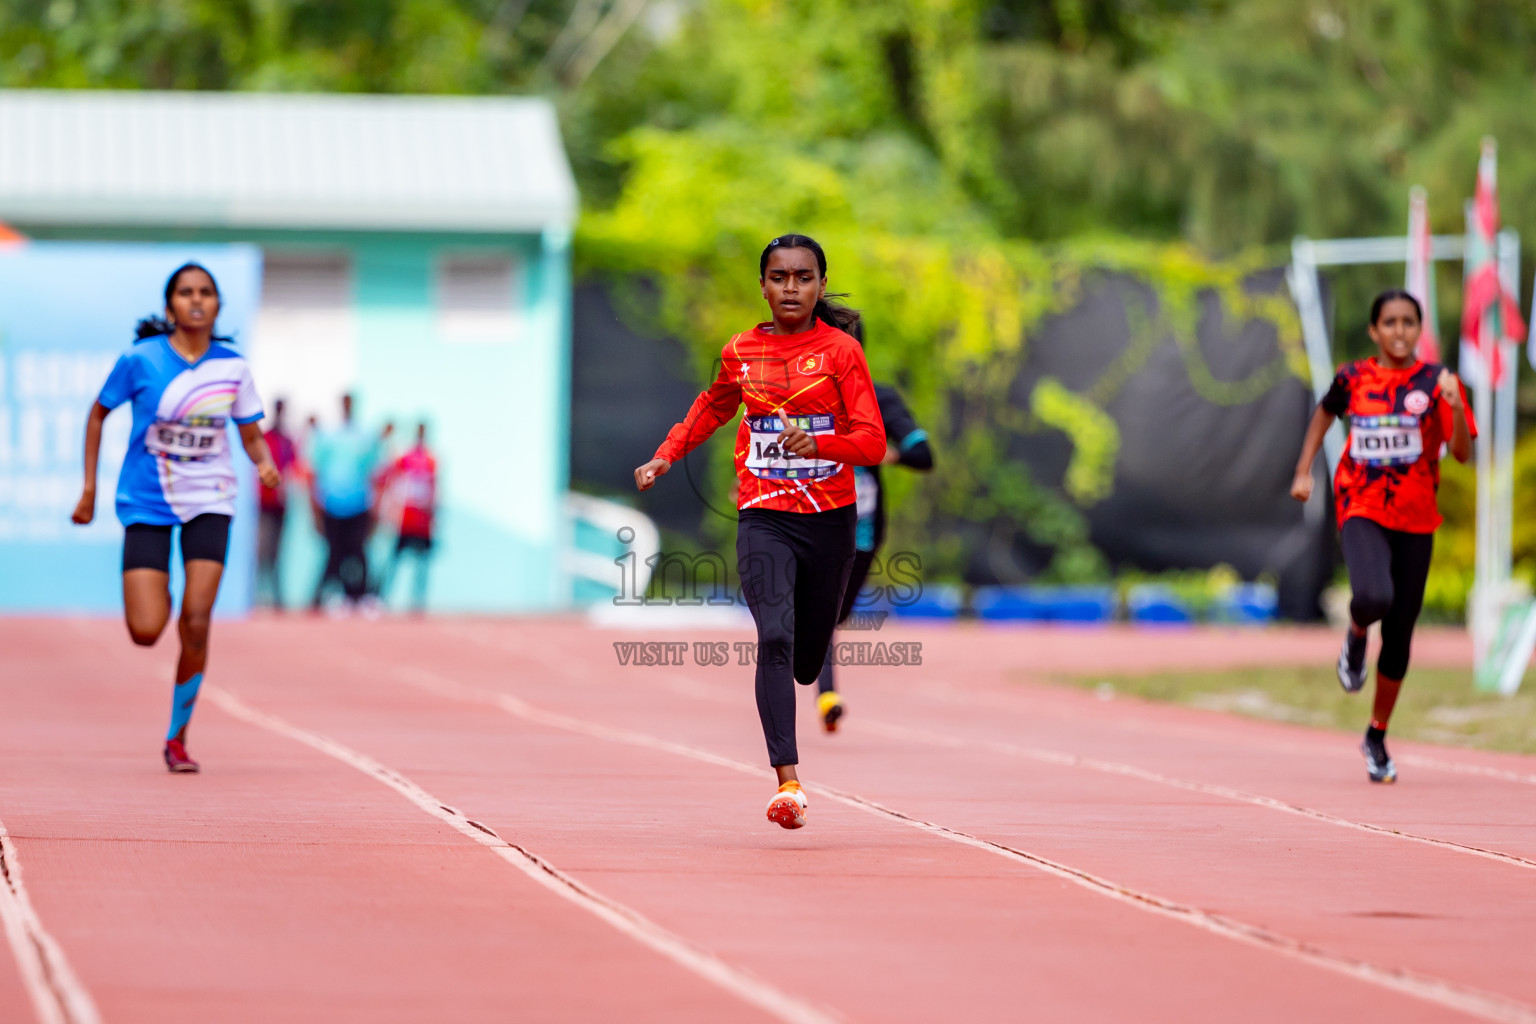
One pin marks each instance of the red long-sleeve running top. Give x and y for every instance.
(821, 381)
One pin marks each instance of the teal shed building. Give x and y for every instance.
(416, 253)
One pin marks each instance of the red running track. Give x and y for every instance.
(489, 820)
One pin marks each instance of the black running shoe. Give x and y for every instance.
(831, 707)
(1378, 763)
(1352, 662)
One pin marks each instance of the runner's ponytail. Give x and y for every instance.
(835, 314)
(151, 327)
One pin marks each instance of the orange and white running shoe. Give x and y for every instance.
(787, 808)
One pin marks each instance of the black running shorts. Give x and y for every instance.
(149, 547)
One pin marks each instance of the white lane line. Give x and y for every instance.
(968, 698)
(1486, 1005)
(1055, 757)
(1466, 769)
(57, 995)
(954, 695)
(744, 986)
(694, 689)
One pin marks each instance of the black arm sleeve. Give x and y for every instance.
(901, 429)
(1336, 401)
(918, 456)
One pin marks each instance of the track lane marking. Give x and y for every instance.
(694, 689)
(58, 997)
(1475, 1002)
(1062, 759)
(630, 922)
(951, 694)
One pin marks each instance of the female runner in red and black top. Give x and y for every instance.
(811, 416)
(1401, 410)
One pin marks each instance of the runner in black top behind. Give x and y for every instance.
(906, 444)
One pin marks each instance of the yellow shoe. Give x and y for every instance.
(830, 706)
(787, 808)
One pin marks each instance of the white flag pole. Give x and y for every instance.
(1480, 607)
(1505, 423)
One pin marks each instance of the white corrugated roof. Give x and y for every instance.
(282, 160)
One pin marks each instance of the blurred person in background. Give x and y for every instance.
(342, 463)
(410, 489)
(274, 508)
(906, 444)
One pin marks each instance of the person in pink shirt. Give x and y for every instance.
(274, 507)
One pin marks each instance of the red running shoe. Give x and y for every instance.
(176, 758)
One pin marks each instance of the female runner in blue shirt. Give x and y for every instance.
(185, 386)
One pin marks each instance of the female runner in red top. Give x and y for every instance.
(811, 416)
(1401, 411)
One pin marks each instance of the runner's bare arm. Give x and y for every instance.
(256, 448)
(716, 405)
(1301, 484)
(1461, 432)
(85, 509)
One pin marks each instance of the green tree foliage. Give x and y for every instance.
(966, 162)
(422, 46)
(1223, 124)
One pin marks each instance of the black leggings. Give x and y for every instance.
(1387, 572)
(346, 560)
(793, 566)
(827, 682)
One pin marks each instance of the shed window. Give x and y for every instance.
(477, 298)
(306, 281)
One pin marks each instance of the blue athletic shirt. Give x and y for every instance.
(178, 464)
(344, 460)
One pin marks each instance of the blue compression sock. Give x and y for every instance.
(182, 703)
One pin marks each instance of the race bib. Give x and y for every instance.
(1392, 440)
(766, 459)
(197, 439)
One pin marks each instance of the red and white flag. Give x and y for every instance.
(1488, 311)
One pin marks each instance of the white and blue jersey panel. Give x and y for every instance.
(179, 464)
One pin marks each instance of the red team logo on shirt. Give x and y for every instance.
(812, 363)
